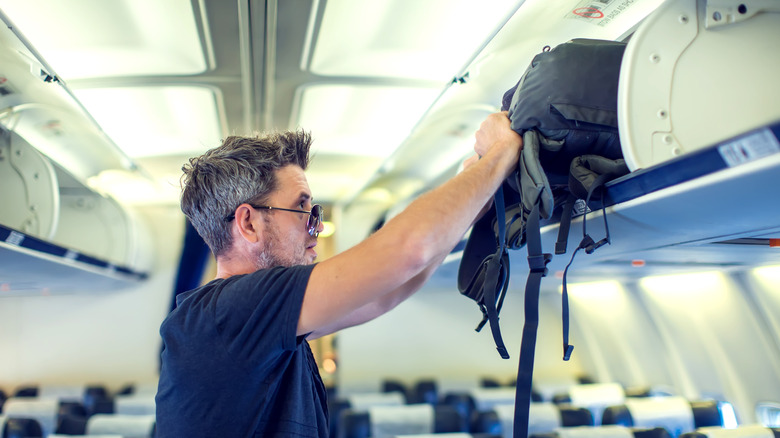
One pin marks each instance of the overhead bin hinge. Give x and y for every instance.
(461, 79)
(724, 12)
(38, 70)
(47, 77)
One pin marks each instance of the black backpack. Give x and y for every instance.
(565, 108)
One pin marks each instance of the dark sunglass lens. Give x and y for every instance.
(315, 217)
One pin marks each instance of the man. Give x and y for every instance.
(236, 361)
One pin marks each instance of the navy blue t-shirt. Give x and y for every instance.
(232, 365)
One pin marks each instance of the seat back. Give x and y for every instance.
(596, 397)
(43, 411)
(142, 404)
(608, 431)
(544, 417)
(389, 421)
(744, 431)
(135, 426)
(675, 414)
(363, 401)
(20, 428)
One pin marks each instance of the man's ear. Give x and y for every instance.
(248, 223)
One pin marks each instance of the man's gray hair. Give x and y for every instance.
(240, 170)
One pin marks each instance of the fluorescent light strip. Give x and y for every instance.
(118, 38)
(155, 121)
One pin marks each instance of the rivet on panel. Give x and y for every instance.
(655, 58)
(662, 114)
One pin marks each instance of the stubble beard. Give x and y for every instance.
(277, 252)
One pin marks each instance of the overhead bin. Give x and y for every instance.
(695, 73)
(56, 234)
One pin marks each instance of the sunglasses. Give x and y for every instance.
(312, 224)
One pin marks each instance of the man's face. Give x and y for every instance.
(286, 242)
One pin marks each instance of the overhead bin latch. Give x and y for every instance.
(724, 12)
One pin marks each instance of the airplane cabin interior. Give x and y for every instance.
(675, 319)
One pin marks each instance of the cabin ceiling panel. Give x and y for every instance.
(96, 38)
(408, 39)
(361, 120)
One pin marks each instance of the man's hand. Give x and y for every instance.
(496, 131)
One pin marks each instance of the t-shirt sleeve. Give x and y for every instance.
(257, 314)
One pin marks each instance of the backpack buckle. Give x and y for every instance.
(538, 263)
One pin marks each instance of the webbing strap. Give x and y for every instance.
(537, 262)
(497, 271)
(589, 245)
(563, 229)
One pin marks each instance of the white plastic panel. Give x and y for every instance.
(720, 345)
(684, 86)
(620, 332)
(95, 226)
(29, 196)
(766, 281)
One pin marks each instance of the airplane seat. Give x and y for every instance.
(744, 431)
(388, 421)
(103, 435)
(676, 414)
(667, 107)
(462, 402)
(451, 435)
(707, 413)
(97, 400)
(26, 391)
(141, 404)
(594, 397)
(389, 385)
(424, 391)
(43, 411)
(609, 431)
(3, 398)
(573, 416)
(20, 427)
(543, 417)
(138, 388)
(69, 424)
(359, 401)
(137, 426)
(489, 382)
(335, 407)
(73, 408)
(93, 398)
